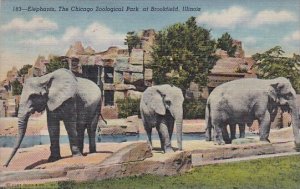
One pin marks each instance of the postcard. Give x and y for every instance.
(149, 94)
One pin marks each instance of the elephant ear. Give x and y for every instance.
(61, 85)
(155, 102)
(273, 92)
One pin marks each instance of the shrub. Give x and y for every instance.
(16, 87)
(128, 107)
(194, 109)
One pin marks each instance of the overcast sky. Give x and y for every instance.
(259, 24)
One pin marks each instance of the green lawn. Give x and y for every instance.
(279, 172)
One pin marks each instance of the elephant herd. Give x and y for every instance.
(77, 102)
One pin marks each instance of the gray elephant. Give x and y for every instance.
(244, 100)
(161, 107)
(75, 101)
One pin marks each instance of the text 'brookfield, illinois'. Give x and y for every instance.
(105, 9)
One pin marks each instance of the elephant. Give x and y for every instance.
(245, 100)
(76, 101)
(161, 107)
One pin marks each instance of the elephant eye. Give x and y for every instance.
(287, 96)
(168, 102)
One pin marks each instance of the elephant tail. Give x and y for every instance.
(103, 119)
(208, 122)
(97, 115)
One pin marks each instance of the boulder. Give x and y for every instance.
(159, 164)
(35, 166)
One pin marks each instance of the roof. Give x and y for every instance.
(231, 64)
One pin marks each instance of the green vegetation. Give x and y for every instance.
(16, 87)
(128, 107)
(272, 64)
(271, 173)
(24, 70)
(55, 64)
(132, 40)
(241, 70)
(194, 109)
(183, 53)
(225, 42)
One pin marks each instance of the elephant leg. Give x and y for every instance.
(73, 137)
(170, 125)
(232, 131)
(242, 130)
(208, 134)
(265, 125)
(91, 130)
(162, 142)
(92, 137)
(218, 133)
(148, 130)
(80, 133)
(225, 135)
(165, 138)
(53, 129)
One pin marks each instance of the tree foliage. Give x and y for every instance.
(226, 43)
(132, 40)
(128, 107)
(194, 109)
(272, 64)
(16, 87)
(24, 70)
(183, 53)
(56, 63)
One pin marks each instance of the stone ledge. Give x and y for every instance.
(170, 164)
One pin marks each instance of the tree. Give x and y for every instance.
(183, 53)
(16, 87)
(226, 43)
(24, 70)
(272, 64)
(56, 63)
(132, 40)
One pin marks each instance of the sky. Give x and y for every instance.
(259, 24)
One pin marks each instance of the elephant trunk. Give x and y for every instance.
(178, 123)
(296, 125)
(22, 125)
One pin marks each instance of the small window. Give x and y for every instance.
(109, 98)
(108, 75)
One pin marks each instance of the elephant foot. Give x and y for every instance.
(76, 154)
(227, 141)
(208, 139)
(54, 158)
(219, 142)
(265, 140)
(92, 151)
(168, 150)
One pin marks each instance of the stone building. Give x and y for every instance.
(8, 102)
(122, 75)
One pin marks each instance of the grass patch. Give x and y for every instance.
(277, 172)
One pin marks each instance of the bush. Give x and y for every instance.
(194, 109)
(128, 107)
(16, 87)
